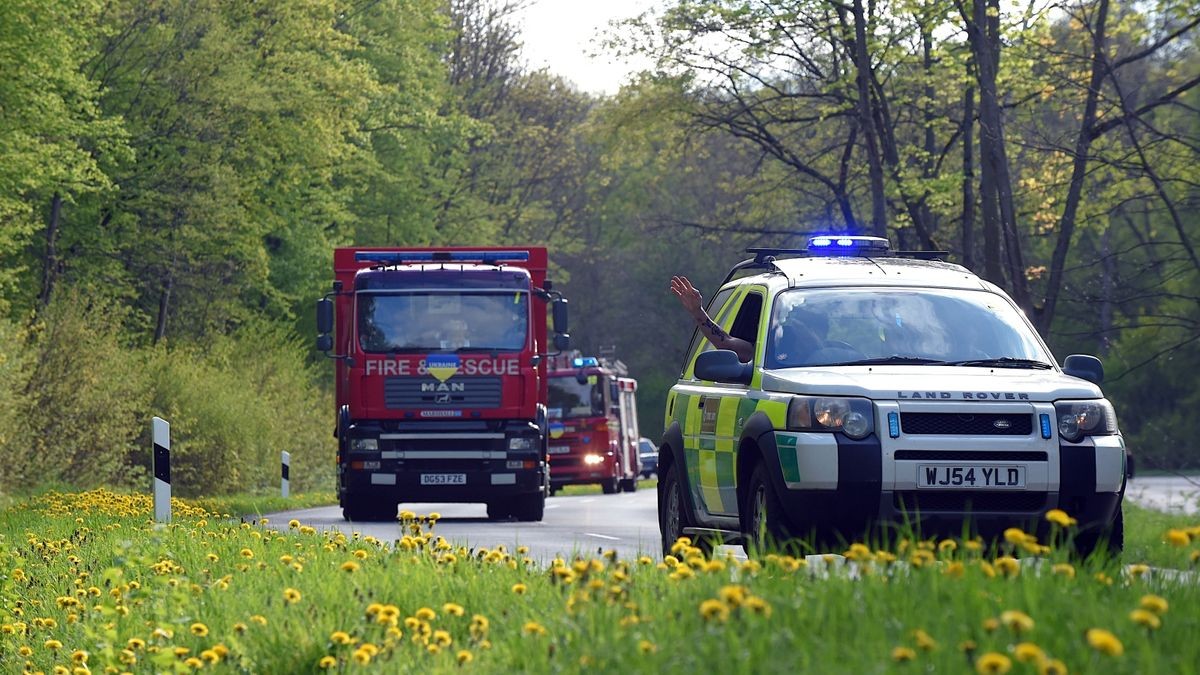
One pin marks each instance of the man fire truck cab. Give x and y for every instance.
(441, 381)
(593, 424)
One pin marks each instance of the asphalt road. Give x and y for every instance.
(624, 522)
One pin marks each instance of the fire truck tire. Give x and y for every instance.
(361, 510)
(530, 507)
(629, 485)
(501, 510)
(611, 486)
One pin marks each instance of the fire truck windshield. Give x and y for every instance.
(571, 398)
(436, 320)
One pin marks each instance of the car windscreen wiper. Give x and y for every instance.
(896, 359)
(1003, 362)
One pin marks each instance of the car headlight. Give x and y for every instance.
(522, 443)
(1077, 419)
(364, 443)
(851, 416)
(592, 459)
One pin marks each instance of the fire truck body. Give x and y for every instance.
(593, 425)
(441, 381)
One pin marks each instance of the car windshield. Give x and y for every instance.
(571, 398)
(822, 327)
(427, 321)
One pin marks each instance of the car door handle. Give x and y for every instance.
(699, 401)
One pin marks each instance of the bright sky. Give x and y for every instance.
(559, 35)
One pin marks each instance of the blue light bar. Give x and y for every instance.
(894, 425)
(397, 257)
(848, 245)
(585, 361)
(1045, 425)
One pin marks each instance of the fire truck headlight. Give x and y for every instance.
(522, 443)
(364, 443)
(592, 459)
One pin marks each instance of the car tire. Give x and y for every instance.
(764, 525)
(673, 513)
(1113, 537)
(611, 486)
(629, 484)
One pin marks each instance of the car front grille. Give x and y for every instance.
(972, 455)
(980, 424)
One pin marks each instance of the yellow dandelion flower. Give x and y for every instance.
(291, 596)
(967, 646)
(1137, 570)
(1028, 652)
(1195, 557)
(193, 663)
(533, 628)
(757, 605)
(1060, 518)
(1016, 621)
(1052, 667)
(464, 656)
(442, 638)
(1145, 618)
(954, 570)
(361, 554)
(361, 657)
(993, 663)
(1104, 642)
(924, 641)
(326, 662)
(135, 644)
(339, 637)
(987, 569)
(426, 614)
(259, 619)
(947, 545)
(246, 553)
(79, 656)
(714, 610)
(733, 594)
(453, 609)
(681, 573)
(1178, 538)
(25, 651)
(1015, 535)
(293, 524)
(349, 566)
(990, 625)
(213, 557)
(52, 645)
(1008, 566)
(239, 627)
(199, 629)
(1064, 570)
(369, 648)
(181, 651)
(1154, 603)
(210, 656)
(902, 654)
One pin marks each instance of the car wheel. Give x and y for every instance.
(1113, 536)
(610, 486)
(764, 524)
(673, 513)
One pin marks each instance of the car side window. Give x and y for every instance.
(745, 325)
(718, 308)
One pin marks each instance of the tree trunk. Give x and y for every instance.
(1083, 142)
(968, 180)
(862, 67)
(50, 262)
(164, 305)
(1108, 274)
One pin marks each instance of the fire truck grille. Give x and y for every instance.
(967, 425)
(464, 392)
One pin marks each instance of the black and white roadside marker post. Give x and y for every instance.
(286, 466)
(162, 470)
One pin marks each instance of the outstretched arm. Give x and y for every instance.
(690, 298)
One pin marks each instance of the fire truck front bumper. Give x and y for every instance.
(444, 479)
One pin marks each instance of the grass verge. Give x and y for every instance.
(87, 579)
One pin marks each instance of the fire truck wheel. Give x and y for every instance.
(361, 510)
(629, 484)
(501, 510)
(530, 507)
(611, 486)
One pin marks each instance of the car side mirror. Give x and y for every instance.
(1084, 366)
(722, 365)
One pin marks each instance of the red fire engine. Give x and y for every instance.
(441, 377)
(593, 424)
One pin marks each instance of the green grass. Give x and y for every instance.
(575, 490)
(95, 573)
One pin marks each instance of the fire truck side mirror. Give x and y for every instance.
(562, 342)
(560, 318)
(324, 324)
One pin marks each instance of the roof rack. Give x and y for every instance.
(765, 256)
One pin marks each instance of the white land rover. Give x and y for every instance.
(885, 389)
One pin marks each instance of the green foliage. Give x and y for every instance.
(82, 393)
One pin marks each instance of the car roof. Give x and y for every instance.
(817, 271)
